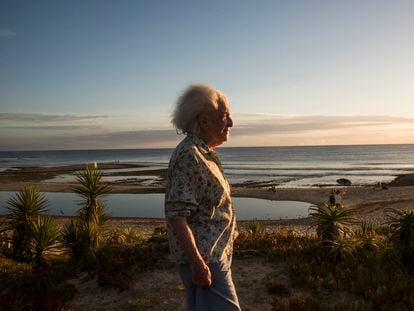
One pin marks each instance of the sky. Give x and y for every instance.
(103, 74)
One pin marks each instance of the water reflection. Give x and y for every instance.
(152, 205)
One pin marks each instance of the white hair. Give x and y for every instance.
(196, 99)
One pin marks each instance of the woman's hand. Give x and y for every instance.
(201, 274)
(200, 270)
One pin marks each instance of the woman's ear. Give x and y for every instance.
(203, 121)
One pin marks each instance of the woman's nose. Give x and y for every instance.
(229, 122)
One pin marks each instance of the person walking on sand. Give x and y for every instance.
(338, 199)
(201, 222)
(332, 198)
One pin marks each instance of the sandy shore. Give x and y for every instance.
(370, 202)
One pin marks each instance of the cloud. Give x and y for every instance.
(5, 33)
(50, 128)
(264, 124)
(149, 137)
(38, 131)
(262, 130)
(42, 118)
(75, 140)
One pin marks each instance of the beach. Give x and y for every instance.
(370, 201)
(251, 273)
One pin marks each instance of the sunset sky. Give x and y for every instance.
(106, 74)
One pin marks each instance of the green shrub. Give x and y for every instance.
(23, 212)
(402, 227)
(117, 264)
(296, 302)
(92, 213)
(121, 236)
(45, 238)
(255, 227)
(331, 223)
(24, 288)
(73, 239)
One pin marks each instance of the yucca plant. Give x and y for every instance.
(76, 240)
(73, 239)
(331, 223)
(92, 212)
(24, 209)
(45, 237)
(402, 227)
(90, 189)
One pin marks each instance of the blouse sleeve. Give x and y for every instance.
(181, 198)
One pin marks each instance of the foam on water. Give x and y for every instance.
(304, 166)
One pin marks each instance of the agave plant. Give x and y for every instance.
(45, 237)
(339, 250)
(369, 243)
(24, 210)
(115, 237)
(331, 223)
(120, 236)
(132, 235)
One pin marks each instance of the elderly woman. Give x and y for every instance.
(198, 205)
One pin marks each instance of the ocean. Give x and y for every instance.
(283, 166)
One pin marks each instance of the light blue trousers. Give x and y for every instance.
(221, 296)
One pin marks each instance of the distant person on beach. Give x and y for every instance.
(338, 199)
(198, 204)
(332, 198)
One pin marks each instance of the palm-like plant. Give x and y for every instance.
(24, 210)
(90, 188)
(402, 226)
(45, 237)
(73, 239)
(331, 223)
(92, 213)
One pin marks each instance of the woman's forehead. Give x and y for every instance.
(223, 105)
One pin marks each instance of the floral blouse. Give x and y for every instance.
(197, 190)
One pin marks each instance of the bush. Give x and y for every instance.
(117, 264)
(24, 288)
(121, 236)
(297, 302)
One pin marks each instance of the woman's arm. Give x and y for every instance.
(201, 271)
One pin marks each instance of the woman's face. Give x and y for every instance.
(216, 129)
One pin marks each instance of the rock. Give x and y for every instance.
(403, 180)
(344, 182)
